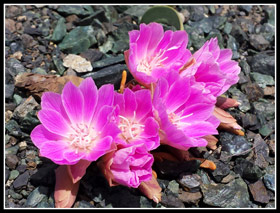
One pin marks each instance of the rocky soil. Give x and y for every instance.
(39, 38)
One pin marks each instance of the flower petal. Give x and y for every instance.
(73, 102)
(53, 122)
(130, 102)
(40, 135)
(51, 100)
(54, 150)
(90, 93)
(144, 103)
(102, 147)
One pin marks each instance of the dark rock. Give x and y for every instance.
(196, 12)
(58, 62)
(171, 170)
(171, 201)
(108, 61)
(14, 67)
(11, 150)
(108, 75)
(78, 40)
(26, 107)
(21, 180)
(269, 181)
(259, 192)
(262, 80)
(196, 37)
(264, 108)
(238, 33)
(263, 63)
(11, 161)
(9, 90)
(12, 11)
(234, 144)
(190, 197)
(246, 8)
(36, 196)
(173, 187)
(259, 42)
(32, 31)
(7, 174)
(231, 195)
(28, 41)
(29, 122)
(205, 24)
(261, 152)
(145, 202)
(21, 168)
(39, 70)
(92, 55)
(245, 67)
(234, 46)
(75, 9)
(216, 33)
(190, 182)
(13, 174)
(253, 91)
(247, 170)
(89, 20)
(243, 78)
(249, 120)
(11, 126)
(59, 31)
(221, 171)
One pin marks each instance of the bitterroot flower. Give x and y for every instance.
(77, 124)
(153, 52)
(135, 119)
(213, 67)
(184, 113)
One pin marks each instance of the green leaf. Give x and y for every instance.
(164, 15)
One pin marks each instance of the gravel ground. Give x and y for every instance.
(38, 38)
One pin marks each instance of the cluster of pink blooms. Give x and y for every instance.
(173, 106)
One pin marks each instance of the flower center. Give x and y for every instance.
(130, 129)
(147, 64)
(82, 137)
(177, 120)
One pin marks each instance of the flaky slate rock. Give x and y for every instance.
(231, 195)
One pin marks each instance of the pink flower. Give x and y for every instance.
(129, 165)
(154, 52)
(184, 113)
(135, 119)
(213, 67)
(76, 125)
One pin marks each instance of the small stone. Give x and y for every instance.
(108, 61)
(27, 106)
(269, 181)
(15, 195)
(9, 90)
(249, 120)
(21, 180)
(234, 144)
(221, 171)
(189, 181)
(11, 161)
(263, 63)
(21, 168)
(247, 170)
(10, 25)
(271, 146)
(173, 186)
(24, 193)
(269, 91)
(28, 41)
(241, 98)
(83, 204)
(59, 30)
(75, 9)
(261, 152)
(78, 40)
(259, 192)
(77, 63)
(36, 196)
(11, 150)
(231, 195)
(108, 75)
(92, 55)
(262, 80)
(8, 115)
(13, 174)
(230, 177)
(39, 70)
(171, 201)
(14, 67)
(190, 197)
(17, 55)
(259, 42)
